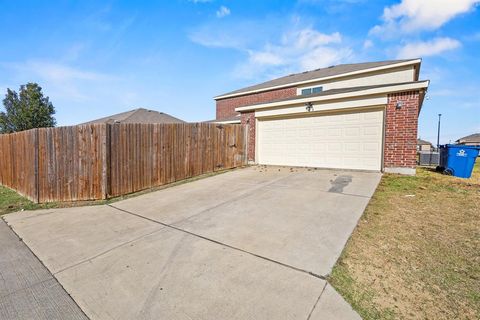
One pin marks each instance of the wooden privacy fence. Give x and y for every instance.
(98, 161)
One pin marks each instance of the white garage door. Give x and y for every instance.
(346, 141)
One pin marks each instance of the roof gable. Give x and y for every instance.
(139, 115)
(423, 142)
(471, 138)
(318, 74)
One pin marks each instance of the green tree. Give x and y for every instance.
(27, 109)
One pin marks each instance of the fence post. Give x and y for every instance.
(106, 161)
(36, 164)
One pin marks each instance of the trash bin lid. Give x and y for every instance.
(462, 146)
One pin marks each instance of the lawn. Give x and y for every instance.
(415, 253)
(10, 201)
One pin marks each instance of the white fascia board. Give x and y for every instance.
(377, 101)
(373, 91)
(390, 66)
(228, 121)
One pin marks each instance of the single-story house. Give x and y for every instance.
(352, 116)
(471, 140)
(423, 145)
(139, 115)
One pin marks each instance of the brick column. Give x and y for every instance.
(248, 120)
(401, 125)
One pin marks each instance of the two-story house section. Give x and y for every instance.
(354, 116)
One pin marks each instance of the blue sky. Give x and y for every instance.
(98, 58)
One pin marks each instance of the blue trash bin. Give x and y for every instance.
(458, 160)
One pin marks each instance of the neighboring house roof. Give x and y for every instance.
(315, 75)
(421, 142)
(341, 93)
(139, 115)
(233, 119)
(473, 138)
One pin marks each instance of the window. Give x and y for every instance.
(308, 91)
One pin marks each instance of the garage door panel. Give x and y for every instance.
(334, 132)
(352, 147)
(371, 147)
(350, 141)
(373, 116)
(353, 117)
(353, 131)
(373, 131)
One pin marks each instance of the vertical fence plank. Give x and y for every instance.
(98, 161)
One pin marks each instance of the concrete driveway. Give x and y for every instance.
(255, 243)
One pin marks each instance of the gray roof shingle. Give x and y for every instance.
(315, 74)
(469, 139)
(139, 115)
(423, 142)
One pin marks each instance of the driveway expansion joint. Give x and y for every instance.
(222, 244)
(318, 299)
(51, 275)
(107, 251)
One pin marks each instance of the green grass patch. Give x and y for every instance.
(10, 201)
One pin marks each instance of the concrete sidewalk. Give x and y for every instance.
(27, 289)
(255, 243)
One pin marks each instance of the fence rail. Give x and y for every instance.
(99, 161)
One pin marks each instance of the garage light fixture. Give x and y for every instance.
(309, 106)
(399, 105)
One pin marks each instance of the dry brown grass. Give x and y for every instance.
(416, 251)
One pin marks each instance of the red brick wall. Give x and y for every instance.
(226, 107)
(401, 130)
(249, 118)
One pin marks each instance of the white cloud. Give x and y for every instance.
(414, 15)
(219, 39)
(222, 12)
(62, 80)
(266, 58)
(59, 72)
(427, 48)
(280, 48)
(324, 56)
(297, 50)
(367, 44)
